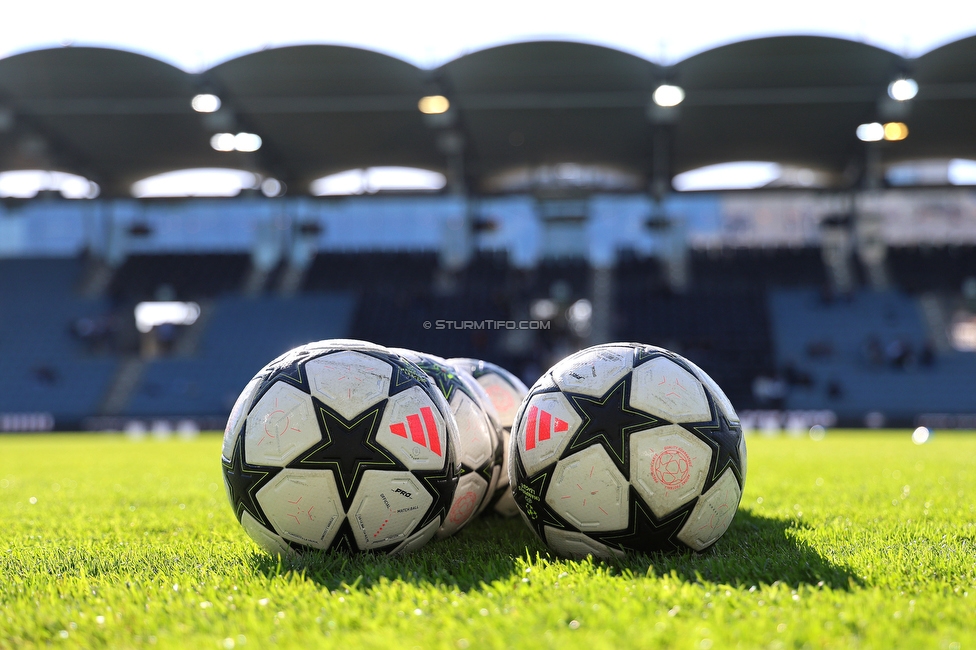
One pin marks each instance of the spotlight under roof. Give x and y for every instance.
(245, 142)
(902, 90)
(205, 103)
(433, 104)
(666, 95)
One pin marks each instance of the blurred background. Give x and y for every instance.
(789, 204)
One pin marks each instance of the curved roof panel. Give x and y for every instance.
(952, 63)
(113, 116)
(550, 66)
(317, 71)
(941, 117)
(538, 103)
(789, 62)
(791, 99)
(116, 117)
(89, 72)
(322, 108)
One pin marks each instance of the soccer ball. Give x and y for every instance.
(340, 444)
(627, 447)
(480, 452)
(506, 392)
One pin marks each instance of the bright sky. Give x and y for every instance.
(195, 34)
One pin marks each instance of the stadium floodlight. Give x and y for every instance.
(871, 132)
(222, 141)
(247, 142)
(902, 90)
(668, 96)
(205, 103)
(433, 104)
(895, 131)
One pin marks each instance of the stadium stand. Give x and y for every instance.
(51, 357)
(721, 327)
(921, 269)
(748, 314)
(489, 289)
(242, 335)
(870, 352)
(188, 277)
(370, 271)
(751, 267)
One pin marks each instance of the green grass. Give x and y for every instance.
(860, 540)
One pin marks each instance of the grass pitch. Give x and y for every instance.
(859, 540)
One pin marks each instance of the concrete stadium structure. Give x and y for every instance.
(560, 198)
(116, 117)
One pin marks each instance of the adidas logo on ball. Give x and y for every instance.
(545, 418)
(417, 431)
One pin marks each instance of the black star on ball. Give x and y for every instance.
(723, 438)
(446, 379)
(289, 369)
(441, 484)
(487, 471)
(405, 376)
(244, 481)
(348, 447)
(609, 420)
(345, 538)
(645, 532)
(644, 353)
(529, 495)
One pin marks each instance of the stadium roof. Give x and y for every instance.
(116, 117)
(794, 100)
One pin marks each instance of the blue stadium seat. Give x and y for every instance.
(846, 341)
(243, 335)
(43, 368)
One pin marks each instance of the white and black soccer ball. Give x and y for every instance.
(340, 444)
(627, 448)
(506, 392)
(480, 451)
